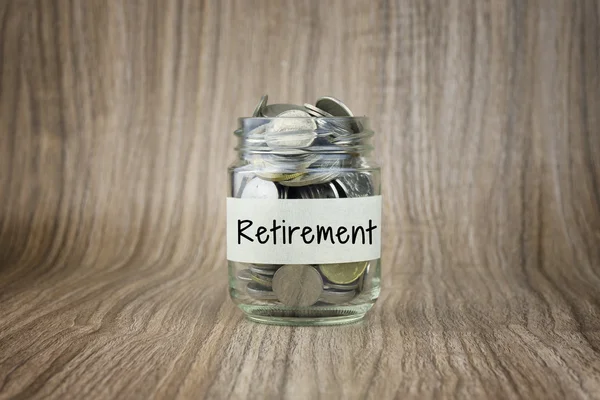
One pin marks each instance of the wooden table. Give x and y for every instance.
(115, 135)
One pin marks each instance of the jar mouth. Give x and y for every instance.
(363, 119)
(301, 135)
(247, 124)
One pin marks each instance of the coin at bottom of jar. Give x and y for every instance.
(335, 286)
(266, 266)
(343, 273)
(337, 296)
(264, 280)
(297, 285)
(244, 275)
(263, 271)
(260, 292)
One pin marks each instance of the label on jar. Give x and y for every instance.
(301, 231)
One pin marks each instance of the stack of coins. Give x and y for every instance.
(299, 285)
(299, 152)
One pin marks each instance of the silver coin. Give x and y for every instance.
(257, 188)
(283, 192)
(336, 286)
(297, 285)
(267, 266)
(337, 296)
(259, 292)
(315, 111)
(321, 191)
(264, 280)
(263, 271)
(274, 110)
(299, 139)
(244, 275)
(292, 128)
(333, 106)
(261, 104)
(284, 163)
(257, 133)
(355, 184)
(340, 128)
(338, 109)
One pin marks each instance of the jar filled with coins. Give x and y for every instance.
(304, 215)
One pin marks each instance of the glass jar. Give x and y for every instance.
(304, 220)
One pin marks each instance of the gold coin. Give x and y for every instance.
(278, 177)
(343, 273)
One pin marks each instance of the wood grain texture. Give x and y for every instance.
(115, 135)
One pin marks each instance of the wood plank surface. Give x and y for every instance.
(116, 122)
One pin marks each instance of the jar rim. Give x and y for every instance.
(339, 119)
(246, 124)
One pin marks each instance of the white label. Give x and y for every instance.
(300, 231)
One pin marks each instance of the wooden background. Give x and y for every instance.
(116, 122)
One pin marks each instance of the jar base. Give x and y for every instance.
(305, 317)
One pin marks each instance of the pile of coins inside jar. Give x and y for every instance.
(300, 152)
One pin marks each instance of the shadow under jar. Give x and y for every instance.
(304, 220)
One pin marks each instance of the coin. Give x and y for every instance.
(283, 191)
(244, 275)
(349, 286)
(336, 108)
(259, 292)
(321, 191)
(278, 177)
(258, 188)
(250, 124)
(355, 184)
(274, 110)
(333, 106)
(292, 128)
(284, 163)
(297, 285)
(267, 266)
(311, 179)
(264, 280)
(257, 134)
(339, 127)
(263, 271)
(315, 111)
(343, 273)
(337, 296)
(261, 104)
